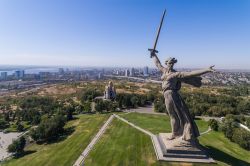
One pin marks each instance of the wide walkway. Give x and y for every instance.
(145, 110)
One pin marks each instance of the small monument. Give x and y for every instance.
(182, 143)
(110, 92)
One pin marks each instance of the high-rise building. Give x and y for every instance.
(132, 72)
(126, 72)
(22, 73)
(19, 74)
(3, 75)
(145, 71)
(100, 76)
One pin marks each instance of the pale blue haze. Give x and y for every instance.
(119, 32)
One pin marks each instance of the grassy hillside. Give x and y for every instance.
(123, 145)
(219, 147)
(66, 151)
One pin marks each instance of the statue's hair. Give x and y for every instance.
(171, 60)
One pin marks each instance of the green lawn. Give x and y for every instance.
(122, 145)
(64, 152)
(157, 123)
(125, 146)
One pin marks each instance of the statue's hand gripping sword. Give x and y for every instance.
(158, 33)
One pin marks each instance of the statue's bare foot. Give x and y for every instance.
(171, 137)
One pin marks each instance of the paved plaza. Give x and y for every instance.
(5, 140)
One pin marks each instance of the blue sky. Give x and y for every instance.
(119, 32)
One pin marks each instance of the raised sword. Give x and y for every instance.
(158, 34)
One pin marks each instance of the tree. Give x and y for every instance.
(29, 114)
(228, 126)
(6, 116)
(150, 97)
(17, 146)
(20, 127)
(87, 106)
(79, 108)
(213, 124)
(248, 122)
(243, 106)
(89, 95)
(49, 129)
(69, 112)
(114, 106)
(241, 137)
(159, 105)
(35, 104)
(3, 124)
(134, 101)
(99, 106)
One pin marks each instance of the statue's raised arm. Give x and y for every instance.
(157, 61)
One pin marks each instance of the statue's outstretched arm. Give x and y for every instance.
(157, 62)
(197, 72)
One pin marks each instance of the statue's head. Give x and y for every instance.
(170, 62)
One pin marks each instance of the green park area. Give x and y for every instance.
(66, 150)
(123, 145)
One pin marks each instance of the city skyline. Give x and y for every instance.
(112, 34)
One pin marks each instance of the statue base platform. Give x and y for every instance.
(178, 150)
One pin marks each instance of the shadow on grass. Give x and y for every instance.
(68, 131)
(221, 156)
(24, 154)
(75, 118)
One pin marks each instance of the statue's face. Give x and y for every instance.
(169, 64)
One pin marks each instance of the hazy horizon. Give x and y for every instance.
(72, 67)
(111, 33)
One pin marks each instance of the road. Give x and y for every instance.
(145, 110)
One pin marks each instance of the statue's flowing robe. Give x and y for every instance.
(181, 121)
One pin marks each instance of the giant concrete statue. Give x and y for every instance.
(181, 122)
(182, 143)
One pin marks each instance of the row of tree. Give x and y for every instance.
(215, 105)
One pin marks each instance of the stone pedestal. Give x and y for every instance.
(179, 150)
